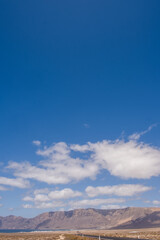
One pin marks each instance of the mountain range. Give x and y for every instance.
(127, 218)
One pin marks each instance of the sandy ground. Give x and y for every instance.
(61, 237)
(152, 233)
(146, 233)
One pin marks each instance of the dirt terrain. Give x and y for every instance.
(153, 234)
(146, 233)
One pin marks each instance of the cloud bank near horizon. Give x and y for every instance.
(63, 163)
(43, 198)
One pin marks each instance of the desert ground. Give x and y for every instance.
(153, 234)
(146, 233)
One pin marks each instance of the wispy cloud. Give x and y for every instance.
(95, 202)
(36, 142)
(14, 182)
(42, 190)
(45, 198)
(75, 204)
(112, 206)
(118, 190)
(136, 136)
(156, 202)
(45, 205)
(41, 196)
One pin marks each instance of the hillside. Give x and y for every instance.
(86, 219)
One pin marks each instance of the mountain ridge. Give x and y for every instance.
(90, 218)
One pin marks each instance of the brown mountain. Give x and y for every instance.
(86, 219)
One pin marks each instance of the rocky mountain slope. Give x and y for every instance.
(86, 219)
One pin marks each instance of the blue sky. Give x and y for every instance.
(79, 104)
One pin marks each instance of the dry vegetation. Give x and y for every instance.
(75, 237)
(40, 236)
(29, 236)
(153, 234)
(150, 233)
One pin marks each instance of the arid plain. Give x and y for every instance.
(150, 233)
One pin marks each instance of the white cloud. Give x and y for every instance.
(41, 198)
(15, 182)
(27, 206)
(127, 159)
(64, 194)
(80, 148)
(36, 142)
(95, 202)
(58, 151)
(28, 198)
(58, 168)
(112, 206)
(124, 159)
(118, 190)
(42, 190)
(36, 198)
(156, 202)
(47, 198)
(43, 205)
